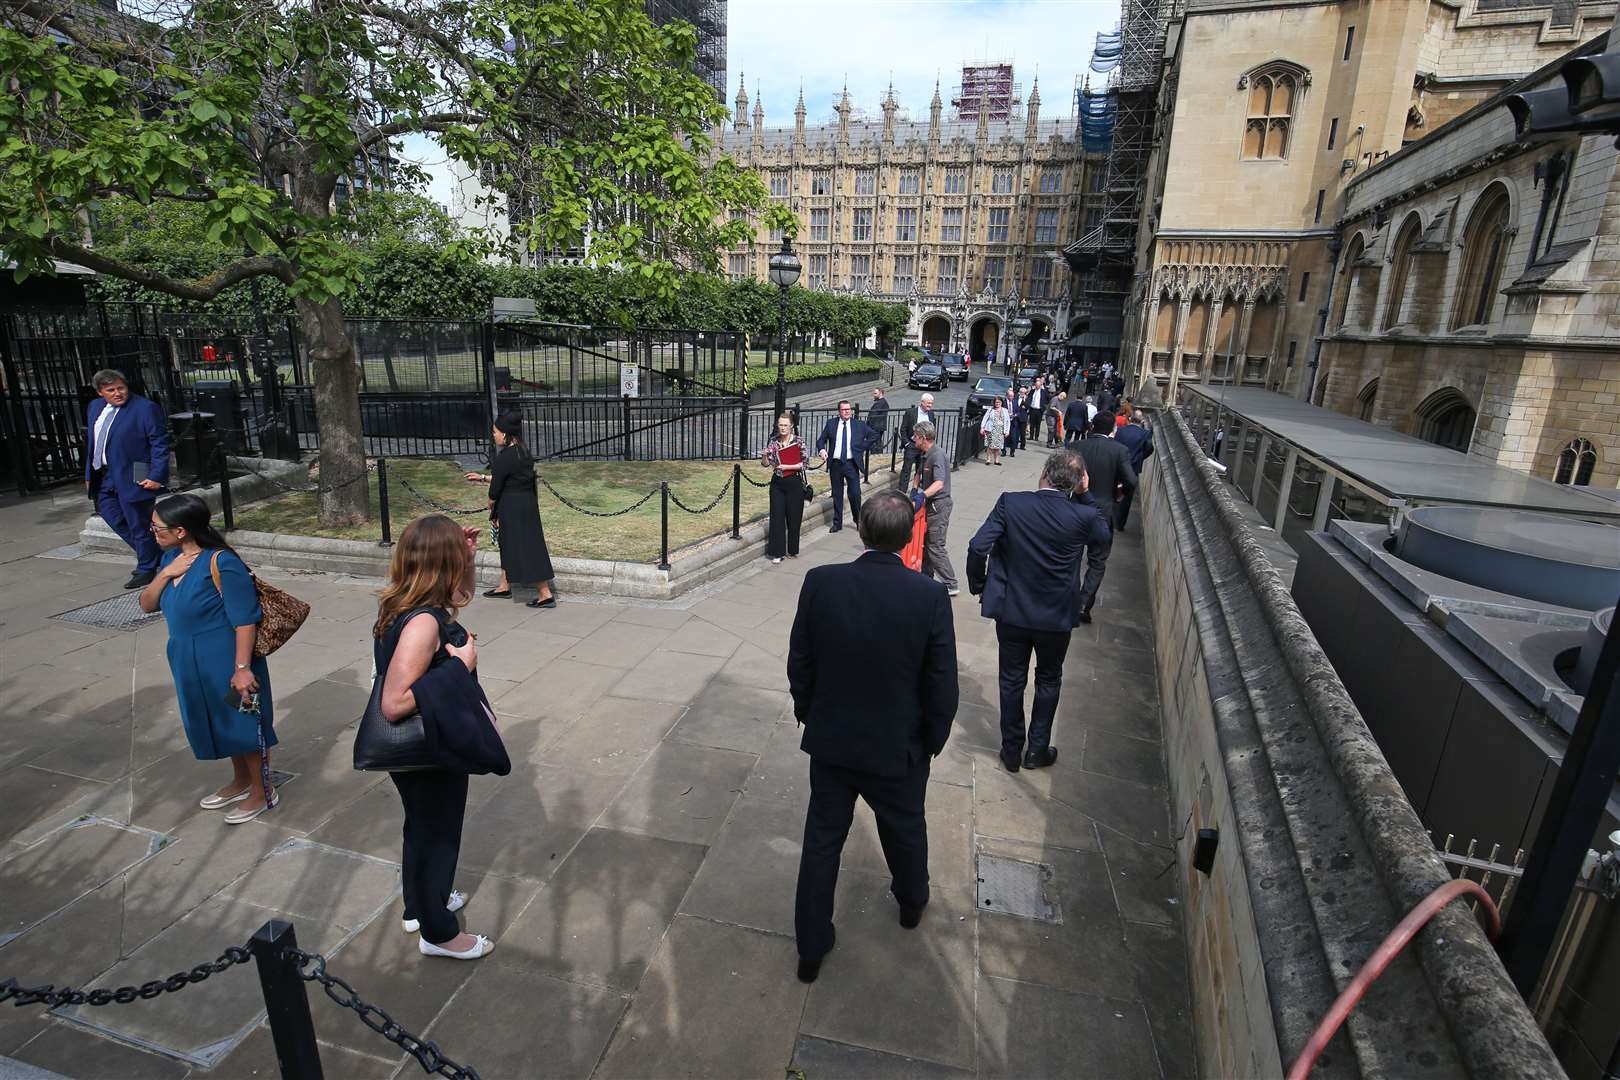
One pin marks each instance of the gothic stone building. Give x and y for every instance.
(1279, 119)
(962, 221)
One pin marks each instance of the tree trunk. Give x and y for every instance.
(344, 488)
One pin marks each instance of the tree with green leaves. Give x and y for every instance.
(260, 113)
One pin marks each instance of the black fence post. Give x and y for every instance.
(742, 424)
(626, 427)
(286, 1001)
(382, 503)
(491, 404)
(663, 524)
(226, 504)
(736, 501)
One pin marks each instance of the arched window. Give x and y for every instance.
(1484, 251)
(1269, 127)
(1401, 264)
(1446, 419)
(1366, 400)
(1347, 270)
(1576, 462)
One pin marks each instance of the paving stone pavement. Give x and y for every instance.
(636, 869)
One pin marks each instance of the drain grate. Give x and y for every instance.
(1021, 889)
(122, 612)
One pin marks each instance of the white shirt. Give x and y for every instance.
(104, 424)
(841, 442)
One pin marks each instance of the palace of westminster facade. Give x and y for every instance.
(964, 219)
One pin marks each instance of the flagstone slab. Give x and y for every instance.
(1028, 1030)
(668, 676)
(759, 846)
(615, 736)
(827, 1058)
(733, 716)
(35, 797)
(509, 1022)
(682, 792)
(59, 868)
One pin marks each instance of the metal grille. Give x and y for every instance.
(122, 612)
(1021, 889)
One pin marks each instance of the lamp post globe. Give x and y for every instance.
(783, 273)
(1018, 328)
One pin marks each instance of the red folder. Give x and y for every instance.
(791, 458)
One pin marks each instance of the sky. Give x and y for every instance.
(779, 45)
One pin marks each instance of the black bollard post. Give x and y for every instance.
(663, 524)
(226, 506)
(382, 503)
(736, 501)
(286, 1001)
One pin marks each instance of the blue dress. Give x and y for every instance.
(202, 655)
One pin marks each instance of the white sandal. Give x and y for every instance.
(458, 900)
(481, 948)
(241, 815)
(219, 802)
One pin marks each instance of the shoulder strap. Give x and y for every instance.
(213, 569)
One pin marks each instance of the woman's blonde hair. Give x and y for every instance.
(428, 570)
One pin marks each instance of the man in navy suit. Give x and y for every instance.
(843, 441)
(1138, 440)
(126, 464)
(871, 737)
(1024, 565)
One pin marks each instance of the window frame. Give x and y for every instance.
(991, 227)
(949, 280)
(818, 277)
(950, 233)
(1479, 275)
(822, 233)
(903, 282)
(856, 225)
(1002, 180)
(1041, 226)
(905, 232)
(1576, 463)
(910, 182)
(956, 180)
(996, 283)
(786, 177)
(821, 183)
(1040, 279)
(865, 182)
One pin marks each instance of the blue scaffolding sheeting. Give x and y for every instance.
(1099, 109)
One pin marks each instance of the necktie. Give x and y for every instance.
(104, 424)
(843, 440)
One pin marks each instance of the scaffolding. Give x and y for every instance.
(989, 86)
(708, 17)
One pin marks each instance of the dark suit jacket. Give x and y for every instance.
(877, 417)
(910, 421)
(872, 665)
(1076, 416)
(1139, 441)
(1108, 463)
(1024, 563)
(860, 437)
(1107, 402)
(138, 435)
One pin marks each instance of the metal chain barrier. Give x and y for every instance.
(307, 489)
(756, 483)
(53, 998)
(593, 513)
(676, 499)
(432, 503)
(312, 968)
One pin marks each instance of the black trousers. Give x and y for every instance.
(435, 802)
(1015, 436)
(897, 802)
(1122, 509)
(909, 459)
(1034, 424)
(1049, 647)
(842, 476)
(1096, 566)
(787, 511)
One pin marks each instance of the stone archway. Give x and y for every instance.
(984, 334)
(936, 333)
(1040, 330)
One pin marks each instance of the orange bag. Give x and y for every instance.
(912, 553)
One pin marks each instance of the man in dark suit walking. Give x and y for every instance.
(1138, 441)
(843, 442)
(1024, 565)
(877, 418)
(869, 737)
(922, 411)
(126, 464)
(1035, 406)
(1108, 464)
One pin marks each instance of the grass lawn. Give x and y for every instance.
(597, 485)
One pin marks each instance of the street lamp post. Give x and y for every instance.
(784, 272)
(1017, 330)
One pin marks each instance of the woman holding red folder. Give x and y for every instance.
(784, 456)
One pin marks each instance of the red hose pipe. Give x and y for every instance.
(1382, 957)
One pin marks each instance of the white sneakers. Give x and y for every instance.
(458, 900)
(481, 947)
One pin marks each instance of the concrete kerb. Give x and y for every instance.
(1493, 1029)
(690, 567)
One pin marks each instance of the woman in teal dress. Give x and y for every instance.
(224, 690)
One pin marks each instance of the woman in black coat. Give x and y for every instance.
(514, 510)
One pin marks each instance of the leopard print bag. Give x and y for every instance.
(283, 613)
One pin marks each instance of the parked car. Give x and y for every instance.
(1027, 376)
(956, 366)
(927, 377)
(987, 390)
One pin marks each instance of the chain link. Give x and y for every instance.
(566, 501)
(443, 508)
(54, 998)
(309, 488)
(676, 499)
(312, 968)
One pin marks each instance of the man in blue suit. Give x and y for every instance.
(869, 737)
(126, 464)
(1024, 564)
(1138, 440)
(843, 441)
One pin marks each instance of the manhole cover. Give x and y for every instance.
(122, 612)
(71, 551)
(1010, 887)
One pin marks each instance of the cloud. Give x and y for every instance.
(779, 44)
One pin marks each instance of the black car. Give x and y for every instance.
(987, 390)
(956, 366)
(1027, 376)
(927, 377)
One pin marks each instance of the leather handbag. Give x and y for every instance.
(384, 745)
(282, 613)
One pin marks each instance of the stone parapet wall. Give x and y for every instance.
(1320, 853)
